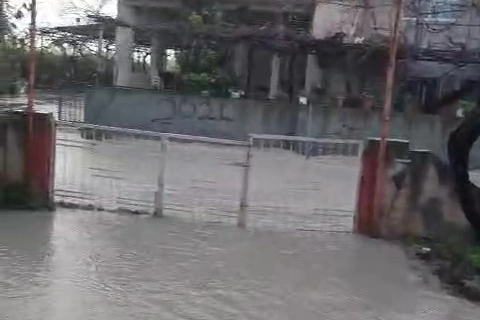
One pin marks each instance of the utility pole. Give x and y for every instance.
(30, 150)
(100, 53)
(387, 108)
(32, 62)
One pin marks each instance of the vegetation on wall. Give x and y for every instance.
(200, 64)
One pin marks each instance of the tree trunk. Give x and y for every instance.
(459, 145)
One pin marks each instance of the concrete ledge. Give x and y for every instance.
(26, 174)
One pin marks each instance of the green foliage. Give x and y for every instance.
(202, 71)
(201, 66)
(51, 68)
(214, 83)
(10, 67)
(14, 195)
(467, 105)
(196, 21)
(206, 16)
(475, 257)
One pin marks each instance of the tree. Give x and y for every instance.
(201, 62)
(3, 20)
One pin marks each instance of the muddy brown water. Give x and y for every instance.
(97, 265)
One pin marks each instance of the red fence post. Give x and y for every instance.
(368, 218)
(364, 220)
(41, 160)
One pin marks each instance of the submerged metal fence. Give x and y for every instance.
(303, 183)
(71, 107)
(268, 181)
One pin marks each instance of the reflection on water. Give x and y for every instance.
(87, 265)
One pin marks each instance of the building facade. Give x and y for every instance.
(155, 14)
(439, 36)
(445, 27)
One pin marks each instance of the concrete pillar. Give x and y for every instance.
(100, 60)
(124, 42)
(27, 172)
(275, 77)
(240, 64)
(155, 61)
(366, 222)
(313, 75)
(41, 173)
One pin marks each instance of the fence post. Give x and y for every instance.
(159, 195)
(242, 215)
(60, 105)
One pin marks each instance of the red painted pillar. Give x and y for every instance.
(367, 218)
(41, 161)
(364, 220)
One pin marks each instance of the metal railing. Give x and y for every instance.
(118, 169)
(269, 180)
(71, 107)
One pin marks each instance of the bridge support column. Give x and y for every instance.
(124, 44)
(157, 63)
(313, 75)
(275, 77)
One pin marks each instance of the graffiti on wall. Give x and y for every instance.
(171, 109)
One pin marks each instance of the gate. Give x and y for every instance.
(303, 183)
(115, 169)
(106, 168)
(268, 181)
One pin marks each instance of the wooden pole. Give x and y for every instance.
(387, 110)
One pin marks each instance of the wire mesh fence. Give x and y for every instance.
(268, 181)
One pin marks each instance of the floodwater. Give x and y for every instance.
(97, 265)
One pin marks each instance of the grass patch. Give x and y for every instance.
(14, 196)
(475, 257)
(454, 258)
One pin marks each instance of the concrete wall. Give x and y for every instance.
(12, 143)
(352, 18)
(154, 111)
(235, 119)
(418, 196)
(20, 187)
(456, 32)
(356, 20)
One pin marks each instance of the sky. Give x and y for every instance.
(63, 12)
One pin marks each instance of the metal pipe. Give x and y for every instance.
(159, 195)
(242, 215)
(32, 58)
(387, 110)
